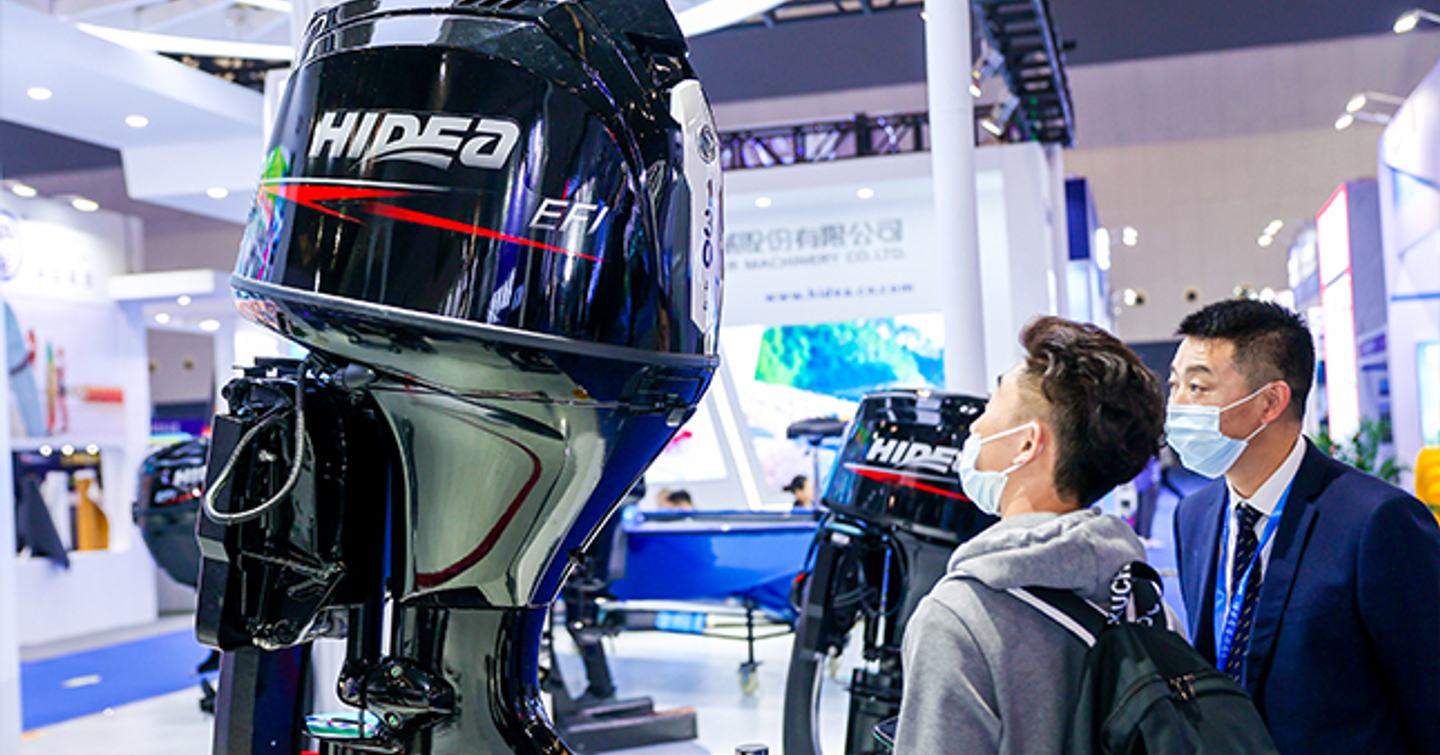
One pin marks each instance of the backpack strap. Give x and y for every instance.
(1077, 615)
(1136, 597)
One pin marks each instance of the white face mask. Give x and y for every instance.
(984, 488)
(1193, 430)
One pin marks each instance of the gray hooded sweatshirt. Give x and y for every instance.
(986, 673)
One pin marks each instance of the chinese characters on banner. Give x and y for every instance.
(821, 266)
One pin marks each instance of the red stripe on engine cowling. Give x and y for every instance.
(906, 481)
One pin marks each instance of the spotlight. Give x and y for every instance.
(217, 192)
(183, 300)
(975, 91)
(865, 193)
(993, 127)
(39, 93)
(1265, 240)
(84, 205)
(163, 318)
(1129, 235)
(763, 202)
(24, 191)
(92, 449)
(1274, 226)
(1362, 100)
(1412, 18)
(209, 326)
(1347, 120)
(136, 121)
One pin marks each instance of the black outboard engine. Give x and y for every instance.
(897, 513)
(166, 504)
(495, 224)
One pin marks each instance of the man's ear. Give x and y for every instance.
(1031, 442)
(1277, 401)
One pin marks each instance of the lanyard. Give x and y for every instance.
(1227, 608)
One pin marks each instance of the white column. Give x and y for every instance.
(952, 150)
(9, 631)
(225, 358)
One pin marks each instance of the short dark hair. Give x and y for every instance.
(1271, 343)
(1106, 407)
(796, 483)
(679, 496)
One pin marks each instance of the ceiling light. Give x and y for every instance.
(24, 191)
(162, 318)
(1356, 104)
(1412, 18)
(1129, 236)
(67, 449)
(209, 326)
(1131, 297)
(763, 202)
(1267, 294)
(84, 204)
(975, 91)
(1344, 122)
(1265, 240)
(39, 93)
(992, 127)
(183, 300)
(92, 449)
(136, 121)
(865, 193)
(1274, 226)
(217, 192)
(279, 6)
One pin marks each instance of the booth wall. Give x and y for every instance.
(9, 625)
(56, 281)
(1409, 183)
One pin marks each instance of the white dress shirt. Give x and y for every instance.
(1266, 498)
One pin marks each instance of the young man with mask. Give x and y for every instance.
(984, 671)
(1316, 586)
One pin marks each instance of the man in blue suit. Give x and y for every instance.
(1316, 586)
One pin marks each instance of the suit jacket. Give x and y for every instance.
(1344, 652)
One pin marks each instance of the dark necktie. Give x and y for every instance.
(1246, 542)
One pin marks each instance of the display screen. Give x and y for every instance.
(1427, 370)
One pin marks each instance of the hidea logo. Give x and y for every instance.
(905, 454)
(434, 140)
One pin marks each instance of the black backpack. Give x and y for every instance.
(1144, 689)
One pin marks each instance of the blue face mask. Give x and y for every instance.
(984, 488)
(1193, 431)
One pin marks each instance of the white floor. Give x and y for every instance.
(675, 670)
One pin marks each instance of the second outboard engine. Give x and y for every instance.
(167, 503)
(495, 224)
(897, 513)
